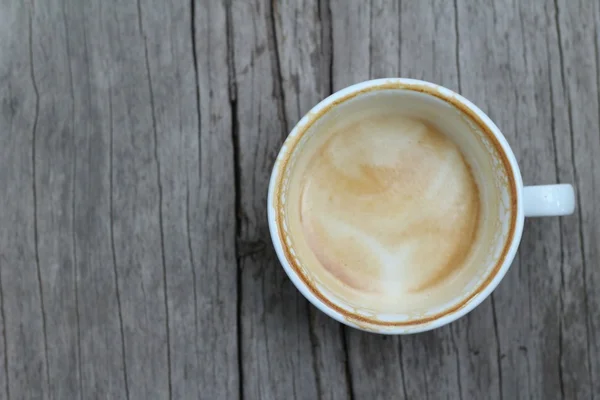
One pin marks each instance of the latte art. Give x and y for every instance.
(384, 210)
(393, 201)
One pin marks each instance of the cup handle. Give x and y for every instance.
(548, 200)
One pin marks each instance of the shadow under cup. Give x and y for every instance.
(464, 124)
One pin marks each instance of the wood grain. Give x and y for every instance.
(211, 207)
(23, 308)
(374, 363)
(402, 37)
(102, 367)
(577, 161)
(303, 33)
(137, 139)
(195, 154)
(276, 352)
(54, 192)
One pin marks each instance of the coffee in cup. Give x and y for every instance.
(394, 204)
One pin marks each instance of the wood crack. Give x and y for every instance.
(192, 267)
(498, 349)
(195, 61)
(458, 378)
(34, 191)
(370, 39)
(4, 333)
(597, 50)
(326, 34)
(560, 223)
(401, 362)
(160, 199)
(581, 242)
(424, 373)
(522, 25)
(312, 337)
(399, 38)
(112, 242)
(76, 277)
(576, 183)
(86, 49)
(276, 60)
(331, 48)
(457, 47)
(561, 379)
(73, 183)
(237, 177)
(187, 187)
(348, 370)
(313, 348)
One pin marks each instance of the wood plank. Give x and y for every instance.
(55, 177)
(373, 361)
(406, 41)
(101, 342)
(578, 161)
(134, 197)
(351, 42)
(524, 97)
(277, 359)
(110, 107)
(212, 218)
(385, 26)
(172, 137)
(428, 43)
(157, 194)
(482, 336)
(192, 119)
(24, 324)
(529, 300)
(303, 42)
(4, 389)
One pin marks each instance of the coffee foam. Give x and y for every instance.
(383, 295)
(388, 207)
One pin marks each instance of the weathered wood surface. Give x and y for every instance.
(136, 142)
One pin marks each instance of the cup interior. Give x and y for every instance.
(491, 163)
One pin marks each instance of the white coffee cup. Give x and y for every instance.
(490, 149)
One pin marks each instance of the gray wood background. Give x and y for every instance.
(136, 142)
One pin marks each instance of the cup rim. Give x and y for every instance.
(488, 283)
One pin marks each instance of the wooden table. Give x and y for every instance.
(136, 144)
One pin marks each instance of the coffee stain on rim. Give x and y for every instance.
(354, 317)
